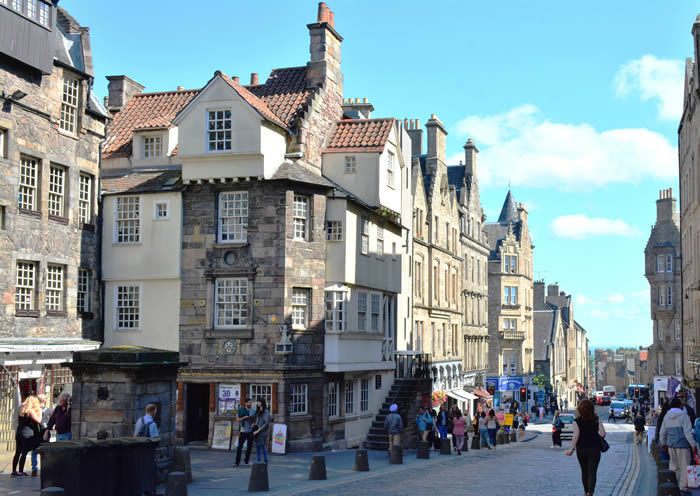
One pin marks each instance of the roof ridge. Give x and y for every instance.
(138, 95)
(375, 119)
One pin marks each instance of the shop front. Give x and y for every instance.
(506, 390)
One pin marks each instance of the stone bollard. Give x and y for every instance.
(52, 491)
(177, 484)
(663, 464)
(182, 461)
(506, 437)
(258, 481)
(666, 476)
(445, 447)
(668, 489)
(317, 470)
(396, 455)
(513, 438)
(423, 450)
(499, 437)
(361, 461)
(476, 442)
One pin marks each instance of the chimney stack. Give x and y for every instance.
(665, 206)
(416, 135)
(253, 78)
(470, 153)
(235, 79)
(357, 108)
(538, 293)
(324, 66)
(437, 135)
(121, 89)
(180, 88)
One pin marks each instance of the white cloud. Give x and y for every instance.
(522, 147)
(600, 314)
(581, 226)
(616, 298)
(657, 79)
(581, 300)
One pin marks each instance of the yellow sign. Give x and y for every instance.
(509, 419)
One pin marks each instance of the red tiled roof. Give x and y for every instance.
(284, 92)
(361, 135)
(253, 101)
(144, 111)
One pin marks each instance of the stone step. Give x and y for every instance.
(373, 445)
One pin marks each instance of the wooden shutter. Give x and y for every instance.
(273, 407)
(180, 395)
(244, 392)
(212, 397)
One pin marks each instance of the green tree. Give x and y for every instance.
(540, 380)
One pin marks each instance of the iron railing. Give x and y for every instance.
(412, 365)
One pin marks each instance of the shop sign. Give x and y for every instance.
(229, 397)
(510, 383)
(509, 419)
(222, 435)
(279, 438)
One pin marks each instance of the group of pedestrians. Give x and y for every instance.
(34, 425)
(433, 426)
(254, 429)
(677, 437)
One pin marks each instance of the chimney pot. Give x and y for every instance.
(417, 123)
(254, 79)
(365, 100)
(180, 88)
(321, 12)
(405, 123)
(357, 100)
(433, 116)
(235, 79)
(332, 19)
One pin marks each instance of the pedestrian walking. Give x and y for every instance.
(45, 415)
(588, 430)
(452, 415)
(566, 404)
(639, 427)
(676, 437)
(557, 425)
(60, 419)
(492, 426)
(27, 434)
(442, 421)
(611, 415)
(458, 432)
(561, 404)
(394, 426)
(262, 428)
(483, 431)
(146, 425)
(423, 419)
(246, 418)
(541, 411)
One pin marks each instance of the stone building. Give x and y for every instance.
(662, 268)
(510, 270)
(688, 175)
(51, 126)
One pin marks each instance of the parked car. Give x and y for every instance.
(567, 432)
(621, 396)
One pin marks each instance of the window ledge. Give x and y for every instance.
(230, 244)
(124, 243)
(68, 134)
(88, 227)
(246, 333)
(27, 313)
(56, 313)
(366, 415)
(58, 219)
(302, 416)
(86, 315)
(31, 213)
(130, 329)
(335, 420)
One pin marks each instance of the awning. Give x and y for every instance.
(35, 345)
(461, 395)
(482, 393)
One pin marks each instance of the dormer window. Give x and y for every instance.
(219, 130)
(350, 165)
(152, 146)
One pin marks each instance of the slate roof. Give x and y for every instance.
(455, 177)
(509, 212)
(284, 93)
(142, 182)
(295, 171)
(141, 112)
(360, 135)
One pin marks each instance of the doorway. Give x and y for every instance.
(197, 413)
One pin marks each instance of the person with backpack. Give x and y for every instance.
(146, 425)
(639, 427)
(676, 438)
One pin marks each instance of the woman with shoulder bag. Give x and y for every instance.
(27, 436)
(492, 426)
(261, 428)
(557, 425)
(588, 442)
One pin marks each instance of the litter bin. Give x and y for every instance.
(62, 465)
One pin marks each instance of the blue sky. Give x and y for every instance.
(577, 106)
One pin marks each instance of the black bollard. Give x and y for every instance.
(317, 471)
(396, 455)
(666, 476)
(668, 489)
(361, 461)
(506, 438)
(423, 450)
(52, 491)
(182, 461)
(258, 478)
(465, 445)
(445, 447)
(177, 484)
(499, 437)
(513, 439)
(476, 442)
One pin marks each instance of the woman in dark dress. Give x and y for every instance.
(588, 429)
(27, 436)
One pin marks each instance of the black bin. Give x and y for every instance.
(62, 465)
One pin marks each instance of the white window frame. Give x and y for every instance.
(31, 8)
(349, 397)
(333, 393)
(54, 287)
(85, 199)
(364, 235)
(237, 300)
(298, 399)
(678, 363)
(218, 130)
(301, 217)
(152, 146)
(25, 285)
(380, 240)
(335, 308)
(390, 169)
(301, 297)
(364, 395)
(350, 164)
(28, 183)
(334, 230)
(157, 211)
(669, 263)
(129, 218)
(233, 217)
(362, 311)
(660, 359)
(669, 295)
(57, 191)
(83, 285)
(137, 309)
(3, 142)
(43, 14)
(375, 312)
(677, 330)
(68, 121)
(264, 390)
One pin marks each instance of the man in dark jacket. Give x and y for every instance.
(687, 408)
(638, 429)
(394, 426)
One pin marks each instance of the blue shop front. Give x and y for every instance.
(506, 389)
